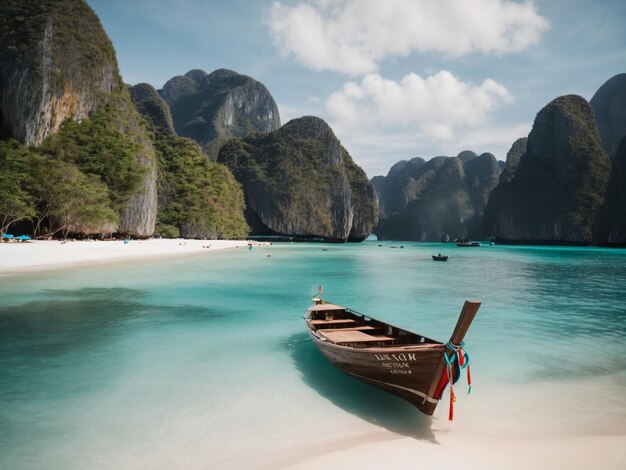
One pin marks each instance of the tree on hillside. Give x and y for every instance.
(16, 204)
(68, 199)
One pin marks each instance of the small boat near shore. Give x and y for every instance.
(406, 364)
(439, 257)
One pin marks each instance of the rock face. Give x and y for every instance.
(150, 104)
(138, 218)
(609, 106)
(46, 74)
(437, 199)
(57, 64)
(211, 108)
(512, 159)
(197, 198)
(612, 223)
(299, 181)
(466, 155)
(559, 185)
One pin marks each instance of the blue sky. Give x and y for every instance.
(396, 79)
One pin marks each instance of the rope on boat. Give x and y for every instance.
(458, 361)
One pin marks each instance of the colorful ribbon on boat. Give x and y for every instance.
(460, 358)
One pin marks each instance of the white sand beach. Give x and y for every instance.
(606, 452)
(53, 254)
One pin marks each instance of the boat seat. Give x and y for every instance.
(338, 321)
(349, 328)
(339, 336)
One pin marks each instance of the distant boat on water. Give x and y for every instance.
(408, 365)
(439, 257)
(466, 243)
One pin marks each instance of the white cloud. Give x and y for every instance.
(377, 152)
(382, 121)
(353, 36)
(434, 108)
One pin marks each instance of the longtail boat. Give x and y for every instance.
(467, 243)
(405, 364)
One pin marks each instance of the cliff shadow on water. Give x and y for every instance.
(354, 397)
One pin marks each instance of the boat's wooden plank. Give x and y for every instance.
(354, 336)
(339, 321)
(326, 307)
(349, 328)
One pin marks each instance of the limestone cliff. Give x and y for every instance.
(138, 217)
(150, 105)
(560, 181)
(57, 65)
(438, 199)
(299, 181)
(512, 159)
(609, 106)
(612, 220)
(481, 176)
(49, 70)
(211, 108)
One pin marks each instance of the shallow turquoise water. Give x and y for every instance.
(202, 362)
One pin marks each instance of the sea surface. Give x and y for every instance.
(203, 361)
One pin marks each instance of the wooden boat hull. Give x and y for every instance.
(406, 373)
(405, 364)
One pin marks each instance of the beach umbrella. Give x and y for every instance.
(7, 235)
(23, 237)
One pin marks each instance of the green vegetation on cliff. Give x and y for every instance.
(560, 181)
(54, 195)
(282, 169)
(151, 106)
(300, 181)
(96, 147)
(212, 108)
(79, 45)
(21, 24)
(60, 90)
(197, 198)
(78, 180)
(16, 201)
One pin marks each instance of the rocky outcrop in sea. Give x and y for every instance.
(300, 182)
(442, 198)
(559, 185)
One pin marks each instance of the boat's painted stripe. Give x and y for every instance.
(415, 392)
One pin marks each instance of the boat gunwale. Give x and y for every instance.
(429, 344)
(377, 349)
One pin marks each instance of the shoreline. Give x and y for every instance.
(50, 255)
